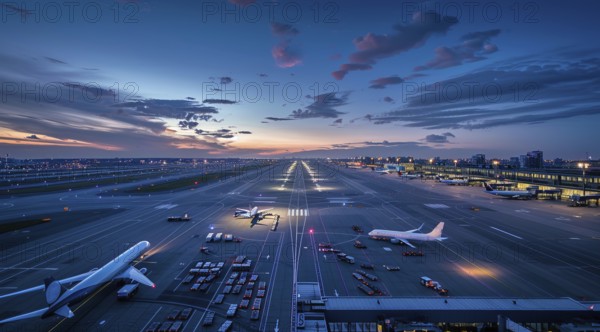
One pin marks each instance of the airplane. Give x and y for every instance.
(410, 176)
(384, 171)
(253, 213)
(455, 181)
(398, 236)
(59, 297)
(509, 193)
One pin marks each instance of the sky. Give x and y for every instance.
(262, 79)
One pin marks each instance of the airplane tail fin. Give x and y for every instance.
(487, 187)
(437, 231)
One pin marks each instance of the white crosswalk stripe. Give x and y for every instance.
(298, 212)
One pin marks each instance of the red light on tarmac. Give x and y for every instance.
(310, 231)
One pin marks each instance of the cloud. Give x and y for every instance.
(285, 56)
(346, 67)
(283, 30)
(388, 99)
(372, 47)
(443, 138)
(56, 61)
(382, 82)
(526, 90)
(473, 48)
(32, 137)
(219, 101)
(226, 80)
(324, 106)
(263, 75)
(336, 122)
(278, 119)
(245, 132)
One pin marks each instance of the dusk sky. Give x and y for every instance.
(259, 78)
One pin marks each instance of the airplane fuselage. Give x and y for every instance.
(100, 277)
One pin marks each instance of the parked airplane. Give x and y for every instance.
(384, 171)
(398, 236)
(455, 181)
(410, 176)
(253, 213)
(59, 297)
(509, 193)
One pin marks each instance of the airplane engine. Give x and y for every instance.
(53, 290)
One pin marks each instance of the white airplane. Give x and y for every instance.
(384, 171)
(509, 193)
(455, 181)
(398, 236)
(253, 213)
(410, 176)
(59, 297)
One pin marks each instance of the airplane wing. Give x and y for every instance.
(135, 274)
(407, 243)
(37, 313)
(242, 210)
(69, 280)
(265, 210)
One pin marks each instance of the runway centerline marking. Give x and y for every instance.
(507, 233)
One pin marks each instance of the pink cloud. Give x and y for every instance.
(284, 56)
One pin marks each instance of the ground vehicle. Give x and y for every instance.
(228, 237)
(208, 318)
(357, 229)
(209, 237)
(257, 303)
(204, 249)
(218, 237)
(392, 267)
(365, 289)
(176, 326)
(185, 217)
(367, 266)
(153, 327)
(185, 314)
(165, 327)
(347, 259)
(359, 245)
(357, 276)
(262, 285)
(173, 315)
(260, 293)
(219, 299)
(128, 291)
(274, 224)
(429, 283)
(248, 294)
(412, 253)
(195, 287)
(232, 310)
(187, 279)
(254, 277)
(227, 290)
(225, 326)
(237, 289)
(255, 315)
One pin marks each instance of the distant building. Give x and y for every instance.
(535, 159)
(478, 159)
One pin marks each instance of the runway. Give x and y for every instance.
(504, 248)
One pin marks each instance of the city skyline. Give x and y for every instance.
(336, 79)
